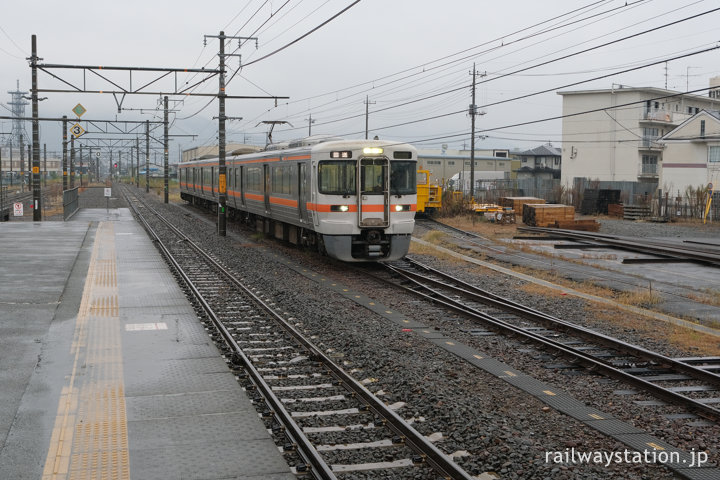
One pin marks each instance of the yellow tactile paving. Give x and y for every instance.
(89, 439)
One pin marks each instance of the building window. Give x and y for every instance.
(702, 128)
(713, 154)
(557, 161)
(450, 162)
(649, 164)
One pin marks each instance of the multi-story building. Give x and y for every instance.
(443, 164)
(613, 135)
(543, 161)
(692, 155)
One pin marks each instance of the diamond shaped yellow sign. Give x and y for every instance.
(79, 110)
(77, 130)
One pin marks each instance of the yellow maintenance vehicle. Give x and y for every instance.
(429, 197)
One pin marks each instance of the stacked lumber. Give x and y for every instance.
(543, 215)
(616, 210)
(584, 225)
(636, 212)
(516, 203)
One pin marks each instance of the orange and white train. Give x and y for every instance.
(354, 200)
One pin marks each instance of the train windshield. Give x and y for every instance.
(336, 177)
(403, 178)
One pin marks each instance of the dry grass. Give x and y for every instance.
(709, 297)
(681, 337)
(436, 238)
(676, 335)
(477, 224)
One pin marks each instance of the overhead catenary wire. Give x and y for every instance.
(564, 57)
(539, 23)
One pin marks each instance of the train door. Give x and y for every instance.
(373, 207)
(302, 191)
(314, 194)
(239, 182)
(266, 174)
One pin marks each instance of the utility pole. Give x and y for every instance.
(44, 165)
(22, 163)
(310, 122)
(65, 154)
(37, 210)
(367, 114)
(72, 162)
(222, 167)
(473, 112)
(166, 146)
(81, 165)
(137, 162)
(147, 156)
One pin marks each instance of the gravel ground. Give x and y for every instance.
(498, 427)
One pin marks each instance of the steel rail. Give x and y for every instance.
(588, 361)
(643, 246)
(565, 326)
(411, 437)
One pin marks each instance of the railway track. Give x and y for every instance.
(487, 245)
(703, 252)
(331, 423)
(684, 383)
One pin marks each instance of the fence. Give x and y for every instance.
(70, 202)
(490, 191)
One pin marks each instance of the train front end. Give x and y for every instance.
(366, 198)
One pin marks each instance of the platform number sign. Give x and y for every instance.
(77, 130)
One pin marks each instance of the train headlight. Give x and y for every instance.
(373, 150)
(402, 208)
(339, 208)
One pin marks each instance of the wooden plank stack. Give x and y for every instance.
(616, 210)
(584, 225)
(543, 215)
(516, 203)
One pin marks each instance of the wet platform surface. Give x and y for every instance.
(106, 371)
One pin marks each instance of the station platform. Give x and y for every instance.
(106, 371)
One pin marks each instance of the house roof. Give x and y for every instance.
(541, 151)
(672, 134)
(658, 92)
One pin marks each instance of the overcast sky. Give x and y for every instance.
(411, 58)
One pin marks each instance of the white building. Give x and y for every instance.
(692, 154)
(613, 135)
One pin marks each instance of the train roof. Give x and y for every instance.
(316, 144)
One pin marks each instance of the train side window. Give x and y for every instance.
(337, 178)
(253, 179)
(403, 178)
(280, 181)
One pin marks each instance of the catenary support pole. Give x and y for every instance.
(37, 194)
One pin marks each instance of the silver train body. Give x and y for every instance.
(354, 200)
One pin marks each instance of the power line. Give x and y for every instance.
(305, 34)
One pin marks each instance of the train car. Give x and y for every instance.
(429, 196)
(354, 200)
